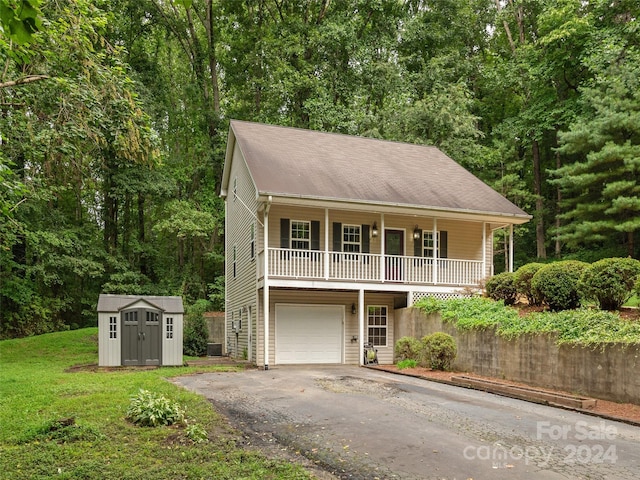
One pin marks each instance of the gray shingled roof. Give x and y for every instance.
(114, 303)
(293, 162)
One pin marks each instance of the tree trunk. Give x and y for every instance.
(558, 247)
(142, 261)
(537, 186)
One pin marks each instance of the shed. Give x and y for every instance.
(140, 330)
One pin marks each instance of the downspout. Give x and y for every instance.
(226, 284)
(265, 287)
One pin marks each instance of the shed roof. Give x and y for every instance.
(293, 162)
(115, 303)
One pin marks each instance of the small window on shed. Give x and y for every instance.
(169, 328)
(113, 327)
(235, 188)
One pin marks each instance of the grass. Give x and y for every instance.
(36, 392)
(586, 326)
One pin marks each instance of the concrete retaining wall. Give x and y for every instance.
(610, 374)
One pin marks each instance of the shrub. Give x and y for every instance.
(522, 278)
(407, 348)
(196, 333)
(557, 284)
(610, 282)
(197, 433)
(439, 351)
(407, 363)
(148, 409)
(502, 287)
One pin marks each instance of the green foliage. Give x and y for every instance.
(149, 409)
(428, 305)
(196, 333)
(523, 277)
(197, 433)
(476, 313)
(557, 284)
(610, 281)
(438, 351)
(407, 363)
(63, 431)
(502, 287)
(586, 327)
(20, 20)
(407, 348)
(38, 390)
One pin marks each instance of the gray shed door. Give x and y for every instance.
(141, 337)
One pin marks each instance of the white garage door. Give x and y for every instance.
(309, 333)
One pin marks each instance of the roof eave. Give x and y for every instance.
(317, 201)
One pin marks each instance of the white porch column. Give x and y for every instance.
(383, 258)
(436, 254)
(511, 248)
(484, 249)
(265, 289)
(326, 244)
(361, 316)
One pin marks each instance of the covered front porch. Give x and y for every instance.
(374, 268)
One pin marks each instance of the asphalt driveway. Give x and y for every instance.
(359, 423)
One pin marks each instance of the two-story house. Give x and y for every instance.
(327, 234)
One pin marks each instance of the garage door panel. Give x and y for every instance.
(309, 333)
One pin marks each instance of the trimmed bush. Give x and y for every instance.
(407, 348)
(502, 287)
(610, 282)
(196, 332)
(557, 284)
(522, 278)
(438, 351)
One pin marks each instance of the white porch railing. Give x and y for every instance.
(365, 267)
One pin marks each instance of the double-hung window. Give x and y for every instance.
(351, 239)
(377, 325)
(428, 244)
(300, 235)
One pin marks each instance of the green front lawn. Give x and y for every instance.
(37, 389)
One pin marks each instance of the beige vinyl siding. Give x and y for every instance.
(241, 290)
(464, 238)
(351, 327)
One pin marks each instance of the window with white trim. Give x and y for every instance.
(300, 235)
(377, 325)
(113, 327)
(351, 238)
(252, 241)
(169, 327)
(235, 263)
(235, 188)
(427, 243)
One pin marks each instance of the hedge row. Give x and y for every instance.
(564, 285)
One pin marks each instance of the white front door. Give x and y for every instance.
(309, 333)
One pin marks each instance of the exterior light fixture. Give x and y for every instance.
(416, 233)
(353, 308)
(374, 230)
